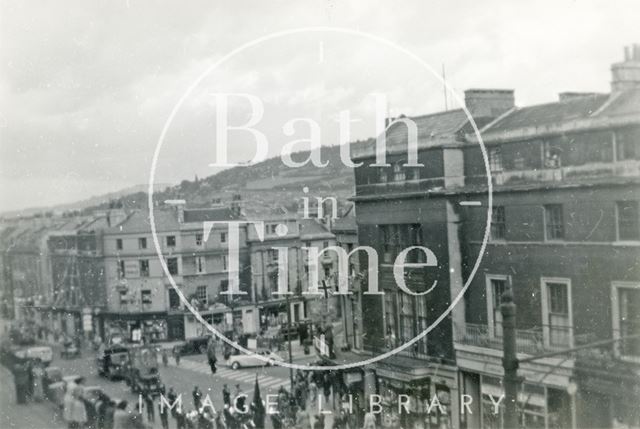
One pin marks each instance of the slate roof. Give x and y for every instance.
(550, 113)
(139, 222)
(433, 130)
(310, 228)
(210, 214)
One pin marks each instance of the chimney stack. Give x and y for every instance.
(626, 75)
(179, 205)
(488, 103)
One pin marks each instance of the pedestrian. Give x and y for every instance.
(226, 395)
(369, 421)
(79, 416)
(120, 416)
(211, 355)
(164, 416)
(21, 379)
(197, 397)
(176, 356)
(148, 403)
(37, 372)
(165, 358)
(171, 397)
(239, 399)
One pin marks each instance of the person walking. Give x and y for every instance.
(148, 403)
(120, 416)
(226, 395)
(176, 356)
(21, 379)
(165, 358)
(164, 416)
(211, 355)
(197, 397)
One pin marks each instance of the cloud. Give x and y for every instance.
(85, 87)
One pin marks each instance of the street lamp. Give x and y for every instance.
(509, 359)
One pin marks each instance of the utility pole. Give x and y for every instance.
(289, 339)
(509, 360)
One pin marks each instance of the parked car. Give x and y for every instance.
(111, 362)
(244, 361)
(44, 353)
(192, 346)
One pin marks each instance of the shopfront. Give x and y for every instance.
(136, 327)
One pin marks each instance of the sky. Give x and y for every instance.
(87, 87)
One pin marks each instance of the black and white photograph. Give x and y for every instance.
(319, 214)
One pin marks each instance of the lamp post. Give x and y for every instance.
(286, 296)
(509, 359)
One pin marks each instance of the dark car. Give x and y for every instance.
(192, 346)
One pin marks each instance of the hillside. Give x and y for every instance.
(262, 186)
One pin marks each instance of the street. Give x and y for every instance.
(192, 371)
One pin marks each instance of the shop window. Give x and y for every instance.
(142, 243)
(498, 223)
(556, 312)
(554, 222)
(144, 268)
(628, 220)
(171, 241)
(172, 265)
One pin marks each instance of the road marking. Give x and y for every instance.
(470, 203)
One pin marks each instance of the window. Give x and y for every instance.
(628, 144)
(398, 172)
(413, 173)
(174, 299)
(119, 243)
(626, 319)
(224, 263)
(171, 241)
(390, 318)
(201, 294)
(200, 264)
(554, 223)
(144, 268)
(272, 256)
(223, 237)
(396, 238)
(172, 265)
(496, 286)
(556, 312)
(142, 243)
(552, 155)
(199, 239)
(628, 218)
(495, 159)
(498, 223)
(382, 175)
(124, 300)
(121, 271)
(145, 299)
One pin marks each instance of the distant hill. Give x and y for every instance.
(262, 186)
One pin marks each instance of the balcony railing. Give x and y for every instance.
(528, 341)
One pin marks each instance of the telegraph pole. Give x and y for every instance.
(509, 360)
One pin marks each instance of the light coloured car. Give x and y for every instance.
(44, 353)
(245, 361)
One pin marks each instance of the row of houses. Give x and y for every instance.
(100, 274)
(564, 237)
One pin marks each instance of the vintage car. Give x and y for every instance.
(142, 373)
(112, 361)
(42, 353)
(244, 361)
(192, 346)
